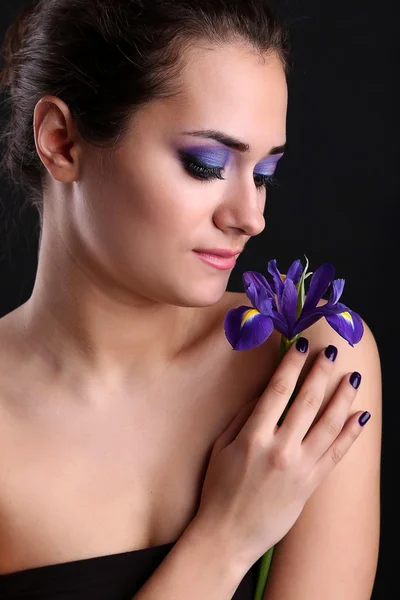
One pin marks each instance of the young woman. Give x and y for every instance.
(141, 456)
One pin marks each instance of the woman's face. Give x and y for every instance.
(170, 192)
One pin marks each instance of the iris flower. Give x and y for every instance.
(282, 304)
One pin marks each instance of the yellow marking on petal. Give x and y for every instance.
(248, 315)
(347, 316)
(283, 277)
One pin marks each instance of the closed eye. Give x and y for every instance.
(202, 172)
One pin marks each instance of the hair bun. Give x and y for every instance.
(13, 42)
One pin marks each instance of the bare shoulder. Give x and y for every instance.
(339, 528)
(260, 362)
(362, 357)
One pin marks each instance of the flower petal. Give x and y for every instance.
(289, 305)
(305, 322)
(319, 283)
(337, 290)
(280, 323)
(277, 283)
(295, 270)
(259, 292)
(344, 321)
(348, 325)
(312, 316)
(246, 328)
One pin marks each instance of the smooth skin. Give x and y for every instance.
(116, 378)
(258, 467)
(332, 550)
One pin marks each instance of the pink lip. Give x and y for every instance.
(219, 262)
(220, 251)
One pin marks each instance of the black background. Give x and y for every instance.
(337, 200)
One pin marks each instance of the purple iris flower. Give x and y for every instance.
(284, 306)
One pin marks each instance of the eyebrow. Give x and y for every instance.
(231, 142)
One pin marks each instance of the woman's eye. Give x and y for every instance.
(202, 172)
(206, 173)
(263, 180)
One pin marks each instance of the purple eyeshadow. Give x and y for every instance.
(219, 156)
(268, 166)
(212, 157)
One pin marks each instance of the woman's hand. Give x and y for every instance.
(260, 475)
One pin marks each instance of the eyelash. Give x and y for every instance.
(203, 173)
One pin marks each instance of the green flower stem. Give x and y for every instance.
(265, 560)
(265, 563)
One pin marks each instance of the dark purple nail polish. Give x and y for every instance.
(302, 344)
(364, 418)
(331, 352)
(355, 379)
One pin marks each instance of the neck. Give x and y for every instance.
(79, 323)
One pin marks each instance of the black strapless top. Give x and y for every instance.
(111, 577)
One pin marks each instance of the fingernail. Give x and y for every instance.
(331, 352)
(355, 379)
(302, 344)
(364, 418)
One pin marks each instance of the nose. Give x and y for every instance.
(242, 207)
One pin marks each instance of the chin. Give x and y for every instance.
(207, 294)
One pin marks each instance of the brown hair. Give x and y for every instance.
(106, 58)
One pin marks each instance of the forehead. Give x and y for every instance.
(233, 89)
(227, 88)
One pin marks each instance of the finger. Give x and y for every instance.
(277, 394)
(328, 427)
(304, 409)
(349, 434)
(229, 434)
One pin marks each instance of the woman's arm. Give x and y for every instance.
(331, 552)
(200, 566)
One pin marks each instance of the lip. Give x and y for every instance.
(226, 253)
(219, 262)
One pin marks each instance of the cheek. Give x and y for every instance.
(165, 198)
(136, 212)
(141, 205)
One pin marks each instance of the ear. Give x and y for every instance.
(56, 139)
